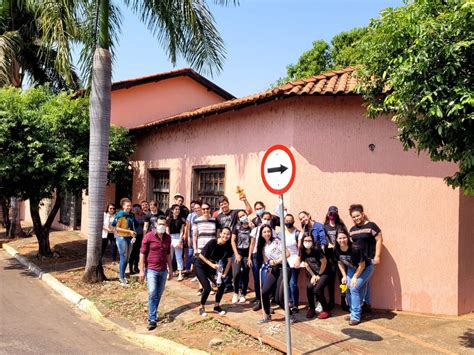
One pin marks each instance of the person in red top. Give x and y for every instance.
(155, 263)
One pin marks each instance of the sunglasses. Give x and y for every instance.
(205, 209)
(111, 208)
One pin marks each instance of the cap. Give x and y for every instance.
(178, 195)
(333, 209)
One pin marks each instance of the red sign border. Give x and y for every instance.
(293, 174)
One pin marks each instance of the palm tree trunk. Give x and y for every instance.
(99, 109)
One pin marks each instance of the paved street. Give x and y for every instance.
(34, 320)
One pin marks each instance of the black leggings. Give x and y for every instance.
(332, 276)
(110, 238)
(318, 291)
(135, 253)
(273, 282)
(240, 272)
(204, 273)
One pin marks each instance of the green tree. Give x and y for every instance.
(184, 27)
(418, 67)
(44, 144)
(323, 57)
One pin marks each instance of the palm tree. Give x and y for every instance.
(23, 54)
(184, 27)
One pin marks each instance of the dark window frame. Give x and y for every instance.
(203, 187)
(160, 195)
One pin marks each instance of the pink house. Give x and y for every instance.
(342, 158)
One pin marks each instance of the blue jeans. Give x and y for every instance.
(189, 259)
(123, 246)
(367, 299)
(294, 292)
(355, 295)
(256, 276)
(155, 281)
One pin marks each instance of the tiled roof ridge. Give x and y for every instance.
(334, 82)
(128, 83)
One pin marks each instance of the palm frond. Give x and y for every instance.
(186, 28)
(10, 46)
(59, 21)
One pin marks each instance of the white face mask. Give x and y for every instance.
(308, 245)
(265, 222)
(161, 229)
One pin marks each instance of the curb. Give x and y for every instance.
(144, 340)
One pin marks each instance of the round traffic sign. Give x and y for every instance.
(278, 169)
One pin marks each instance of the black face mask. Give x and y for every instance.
(289, 225)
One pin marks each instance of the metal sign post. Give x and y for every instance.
(278, 174)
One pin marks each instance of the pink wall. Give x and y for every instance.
(149, 102)
(466, 252)
(330, 139)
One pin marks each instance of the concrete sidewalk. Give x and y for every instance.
(382, 331)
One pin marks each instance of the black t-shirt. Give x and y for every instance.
(227, 220)
(243, 236)
(151, 218)
(215, 252)
(313, 260)
(331, 233)
(364, 236)
(175, 224)
(352, 256)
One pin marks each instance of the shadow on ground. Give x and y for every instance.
(467, 339)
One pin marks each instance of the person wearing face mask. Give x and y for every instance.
(313, 228)
(293, 240)
(333, 223)
(257, 264)
(209, 266)
(260, 208)
(242, 257)
(318, 274)
(155, 265)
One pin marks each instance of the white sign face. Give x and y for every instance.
(278, 169)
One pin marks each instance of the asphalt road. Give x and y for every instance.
(33, 320)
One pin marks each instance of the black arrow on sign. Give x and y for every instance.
(280, 169)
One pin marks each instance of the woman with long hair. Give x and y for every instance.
(269, 250)
(369, 236)
(356, 269)
(318, 274)
(208, 265)
(108, 231)
(332, 224)
(176, 229)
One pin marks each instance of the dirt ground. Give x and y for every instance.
(127, 306)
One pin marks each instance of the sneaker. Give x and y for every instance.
(194, 279)
(257, 306)
(311, 313)
(242, 299)
(219, 310)
(294, 310)
(323, 315)
(202, 312)
(235, 298)
(180, 277)
(319, 308)
(354, 322)
(123, 282)
(265, 319)
(199, 292)
(151, 325)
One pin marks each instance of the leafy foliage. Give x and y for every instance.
(44, 140)
(418, 66)
(323, 57)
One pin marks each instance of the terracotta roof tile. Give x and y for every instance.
(337, 82)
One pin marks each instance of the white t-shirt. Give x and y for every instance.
(292, 245)
(273, 250)
(107, 224)
(255, 233)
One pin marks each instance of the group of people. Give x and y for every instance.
(224, 247)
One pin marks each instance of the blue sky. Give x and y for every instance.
(262, 37)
